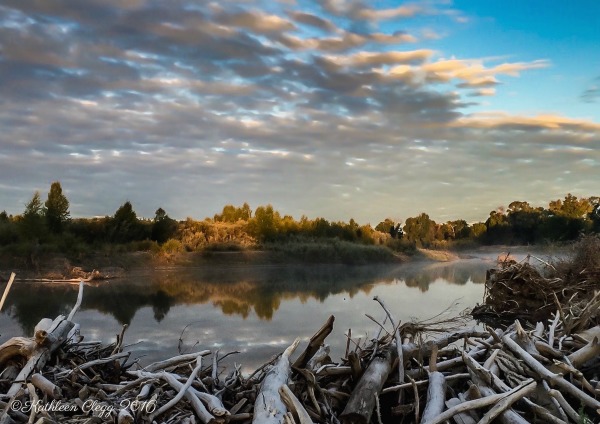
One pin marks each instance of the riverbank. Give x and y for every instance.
(118, 262)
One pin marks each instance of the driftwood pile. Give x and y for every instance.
(541, 375)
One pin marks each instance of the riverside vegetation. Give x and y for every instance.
(46, 228)
(542, 368)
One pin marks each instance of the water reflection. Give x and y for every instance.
(257, 310)
(235, 291)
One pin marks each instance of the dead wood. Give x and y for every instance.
(361, 404)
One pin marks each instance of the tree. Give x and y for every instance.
(163, 227)
(390, 227)
(420, 230)
(524, 220)
(265, 223)
(57, 208)
(125, 226)
(32, 221)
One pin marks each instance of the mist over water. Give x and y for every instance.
(256, 310)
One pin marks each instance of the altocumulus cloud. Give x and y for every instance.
(320, 110)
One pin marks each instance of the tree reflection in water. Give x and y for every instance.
(239, 290)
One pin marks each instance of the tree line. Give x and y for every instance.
(48, 226)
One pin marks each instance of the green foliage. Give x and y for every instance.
(31, 224)
(420, 230)
(232, 214)
(57, 208)
(163, 227)
(388, 226)
(125, 227)
(265, 223)
(172, 246)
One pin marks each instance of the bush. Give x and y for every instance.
(172, 246)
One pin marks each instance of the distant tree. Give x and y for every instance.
(4, 217)
(498, 230)
(125, 226)
(420, 230)
(571, 207)
(232, 214)
(163, 227)
(390, 227)
(524, 220)
(57, 208)
(265, 223)
(32, 221)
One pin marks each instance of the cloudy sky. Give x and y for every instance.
(333, 108)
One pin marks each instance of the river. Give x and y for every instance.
(256, 310)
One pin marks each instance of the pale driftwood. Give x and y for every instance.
(96, 362)
(436, 391)
(574, 415)
(318, 358)
(34, 399)
(555, 379)
(176, 360)
(294, 405)
(181, 392)
(460, 417)
(542, 412)
(398, 341)
(552, 328)
(478, 403)
(77, 303)
(7, 289)
(436, 396)
(528, 387)
(422, 383)
(484, 379)
(589, 334)
(268, 407)
(213, 403)
(198, 407)
(125, 417)
(59, 330)
(586, 353)
(15, 348)
(46, 386)
(315, 343)
(362, 400)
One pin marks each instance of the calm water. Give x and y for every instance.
(257, 310)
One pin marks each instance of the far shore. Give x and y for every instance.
(119, 264)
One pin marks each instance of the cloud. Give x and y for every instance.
(312, 20)
(366, 58)
(591, 93)
(191, 106)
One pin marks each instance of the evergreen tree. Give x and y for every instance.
(57, 208)
(31, 224)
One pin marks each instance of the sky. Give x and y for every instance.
(333, 108)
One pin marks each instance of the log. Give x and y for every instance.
(552, 378)
(176, 360)
(360, 406)
(315, 343)
(268, 407)
(586, 353)
(478, 403)
(460, 417)
(528, 387)
(59, 330)
(436, 391)
(294, 405)
(436, 397)
(7, 289)
(46, 386)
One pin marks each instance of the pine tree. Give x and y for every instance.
(57, 208)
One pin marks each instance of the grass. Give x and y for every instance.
(332, 251)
